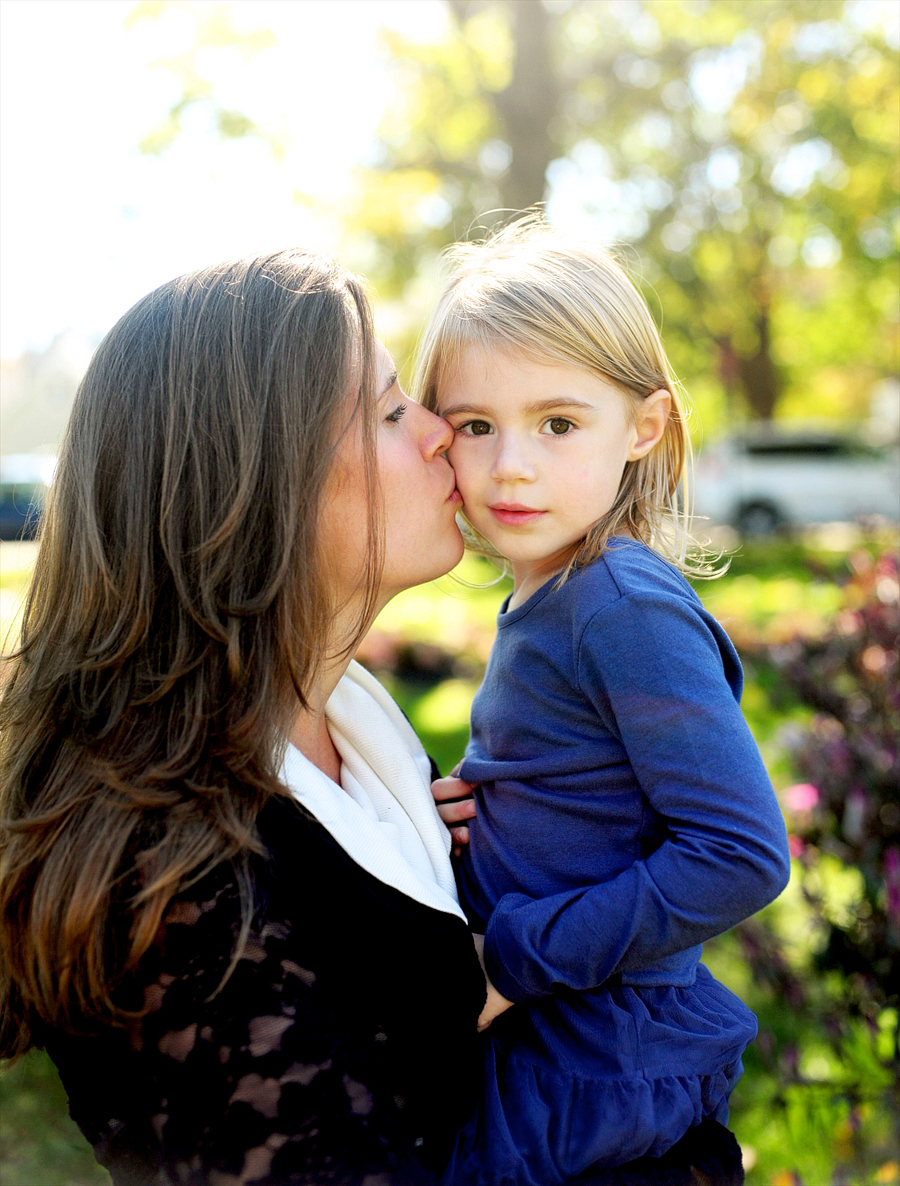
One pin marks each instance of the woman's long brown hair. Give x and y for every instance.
(178, 612)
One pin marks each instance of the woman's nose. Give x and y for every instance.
(435, 434)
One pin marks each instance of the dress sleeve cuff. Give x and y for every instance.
(500, 952)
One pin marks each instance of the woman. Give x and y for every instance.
(226, 909)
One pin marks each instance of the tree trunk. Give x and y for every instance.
(760, 381)
(527, 107)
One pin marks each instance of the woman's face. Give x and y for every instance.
(417, 488)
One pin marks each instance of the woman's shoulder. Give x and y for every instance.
(328, 921)
(310, 880)
(286, 880)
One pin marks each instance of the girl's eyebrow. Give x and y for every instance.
(550, 405)
(532, 409)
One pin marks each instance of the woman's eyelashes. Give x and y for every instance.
(394, 417)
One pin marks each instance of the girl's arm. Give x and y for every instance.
(657, 670)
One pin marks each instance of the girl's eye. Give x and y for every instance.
(558, 426)
(475, 428)
(394, 416)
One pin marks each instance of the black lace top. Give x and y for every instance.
(341, 1049)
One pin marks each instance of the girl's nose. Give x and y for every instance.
(512, 463)
(435, 434)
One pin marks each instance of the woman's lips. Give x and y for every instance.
(514, 515)
(455, 497)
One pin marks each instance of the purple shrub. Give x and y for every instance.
(849, 802)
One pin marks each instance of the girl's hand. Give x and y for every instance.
(454, 803)
(496, 1003)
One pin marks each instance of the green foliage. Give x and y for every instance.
(830, 948)
(798, 1109)
(39, 1144)
(747, 148)
(213, 30)
(743, 152)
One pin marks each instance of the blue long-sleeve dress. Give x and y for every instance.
(624, 816)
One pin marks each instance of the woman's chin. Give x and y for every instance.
(459, 550)
(438, 565)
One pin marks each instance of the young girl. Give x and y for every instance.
(623, 811)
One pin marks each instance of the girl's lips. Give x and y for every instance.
(515, 516)
(455, 497)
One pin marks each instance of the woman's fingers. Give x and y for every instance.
(453, 797)
(451, 787)
(496, 1003)
(457, 813)
(460, 838)
(454, 803)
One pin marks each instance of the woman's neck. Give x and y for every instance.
(311, 737)
(310, 729)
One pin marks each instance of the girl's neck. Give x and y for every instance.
(528, 578)
(529, 585)
(531, 576)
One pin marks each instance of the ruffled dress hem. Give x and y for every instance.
(560, 1103)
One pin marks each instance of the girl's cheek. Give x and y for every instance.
(454, 453)
(462, 464)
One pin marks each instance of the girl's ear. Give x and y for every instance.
(650, 423)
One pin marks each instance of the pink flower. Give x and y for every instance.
(802, 796)
(795, 845)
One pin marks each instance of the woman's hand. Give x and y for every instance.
(496, 1003)
(454, 802)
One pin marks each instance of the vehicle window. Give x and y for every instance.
(21, 495)
(794, 449)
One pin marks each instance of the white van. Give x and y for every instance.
(768, 478)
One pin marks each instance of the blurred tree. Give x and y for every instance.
(747, 148)
(213, 29)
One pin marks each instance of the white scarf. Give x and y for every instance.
(382, 755)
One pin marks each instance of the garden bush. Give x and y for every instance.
(840, 975)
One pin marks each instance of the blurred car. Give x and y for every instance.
(767, 479)
(24, 479)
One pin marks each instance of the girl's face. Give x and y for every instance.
(419, 499)
(539, 451)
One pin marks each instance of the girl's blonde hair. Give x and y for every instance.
(528, 288)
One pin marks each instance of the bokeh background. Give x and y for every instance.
(742, 155)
